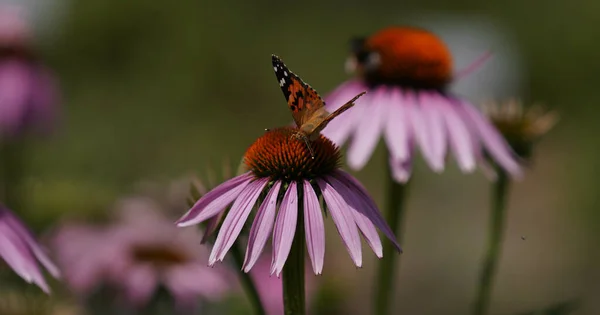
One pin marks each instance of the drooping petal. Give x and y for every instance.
(285, 228)
(343, 219)
(339, 129)
(215, 200)
(367, 204)
(437, 133)
(366, 135)
(396, 128)
(35, 248)
(491, 139)
(314, 227)
(191, 280)
(211, 226)
(419, 126)
(236, 218)
(462, 143)
(356, 209)
(401, 170)
(261, 227)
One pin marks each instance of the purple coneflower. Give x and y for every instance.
(286, 185)
(137, 255)
(28, 93)
(407, 71)
(21, 252)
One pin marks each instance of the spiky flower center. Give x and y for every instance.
(280, 155)
(405, 56)
(158, 255)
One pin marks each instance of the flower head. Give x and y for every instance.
(521, 127)
(407, 72)
(21, 252)
(28, 92)
(137, 255)
(284, 183)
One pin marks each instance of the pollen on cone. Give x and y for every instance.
(279, 155)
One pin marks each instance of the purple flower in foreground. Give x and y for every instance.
(285, 184)
(28, 92)
(21, 252)
(136, 255)
(407, 71)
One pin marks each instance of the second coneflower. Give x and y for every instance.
(407, 71)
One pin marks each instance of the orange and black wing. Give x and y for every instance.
(302, 99)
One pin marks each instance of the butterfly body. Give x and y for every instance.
(308, 108)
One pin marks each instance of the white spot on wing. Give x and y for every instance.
(285, 73)
(281, 82)
(275, 68)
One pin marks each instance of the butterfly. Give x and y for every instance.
(308, 108)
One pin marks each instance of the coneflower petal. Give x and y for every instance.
(420, 126)
(261, 227)
(314, 227)
(367, 205)
(235, 220)
(492, 140)
(215, 200)
(461, 142)
(362, 221)
(437, 133)
(368, 130)
(338, 130)
(285, 228)
(343, 220)
(396, 131)
(401, 170)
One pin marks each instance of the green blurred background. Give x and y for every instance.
(156, 90)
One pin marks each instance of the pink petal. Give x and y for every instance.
(215, 200)
(236, 218)
(420, 128)
(140, 283)
(435, 123)
(401, 170)
(314, 227)
(366, 205)
(366, 135)
(15, 86)
(343, 220)
(339, 129)
(495, 144)
(396, 128)
(211, 226)
(285, 228)
(461, 141)
(261, 227)
(190, 281)
(362, 220)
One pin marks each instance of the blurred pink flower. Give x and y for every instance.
(282, 170)
(407, 71)
(136, 255)
(28, 92)
(21, 252)
(270, 288)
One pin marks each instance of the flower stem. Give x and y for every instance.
(247, 283)
(496, 231)
(396, 194)
(293, 272)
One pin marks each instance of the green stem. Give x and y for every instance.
(293, 272)
(496, 231)
(11, 174)
(396, 194)
(246, 280)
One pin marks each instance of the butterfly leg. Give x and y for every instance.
(302, 136)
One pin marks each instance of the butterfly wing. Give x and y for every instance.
(302, 99)
(321, 124)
